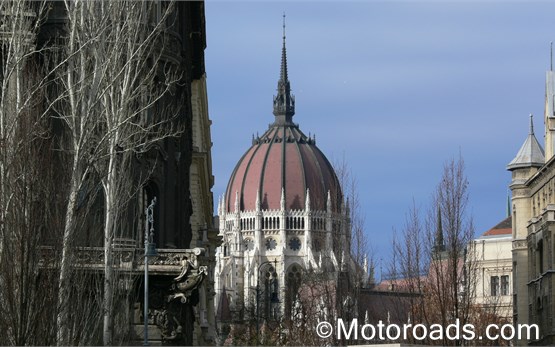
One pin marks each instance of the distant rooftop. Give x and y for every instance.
(505, 227)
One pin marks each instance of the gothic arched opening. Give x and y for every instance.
(293, 281)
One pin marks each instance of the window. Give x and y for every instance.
(293, 285)
(295, 243)
(494, 285)
(249, 244)
(505, 285)
(270, 244)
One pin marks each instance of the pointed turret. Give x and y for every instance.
(549, 110)
(530, 154)
(282, 200)
(307, 202)
(236, 202)
(257, 204)
(284, 102)
(439, 241)
(219, 206)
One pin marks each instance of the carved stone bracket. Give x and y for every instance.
(519, 244)
(181, 294)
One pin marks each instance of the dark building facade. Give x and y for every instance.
(174, 171)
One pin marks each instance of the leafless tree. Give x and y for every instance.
(357, 239)
(112, 72)
(26, 182)
(83, 107)
(432, 258)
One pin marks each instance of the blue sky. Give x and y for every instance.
(397, 87)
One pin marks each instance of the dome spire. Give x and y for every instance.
(283, 72)
(284, 102)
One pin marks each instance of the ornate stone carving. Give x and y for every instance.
(188, 280)
(179, 296)
(168, 321)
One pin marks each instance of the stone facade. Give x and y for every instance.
(205, 235)
(179, 171)
(533, 214)
(492, 262)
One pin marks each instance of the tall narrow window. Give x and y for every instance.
(494, 285)
(505, 285)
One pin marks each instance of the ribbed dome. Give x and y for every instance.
(285, 158)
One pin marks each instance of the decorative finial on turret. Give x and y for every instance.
(307, 202)
(257, 200)
(220, 205)
(328, 205)
(531, 124)
(236, 201)
(283, 73)
(282, 200)
(284, 102)
(284, 25)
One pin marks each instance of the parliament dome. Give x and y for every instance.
(283, 161)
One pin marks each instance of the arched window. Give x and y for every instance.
(293, 281)
(270, 294)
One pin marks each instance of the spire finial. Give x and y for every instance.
(283, 73)
(284, 28)
(439, 241)
(531, 124)
(550, 58)
(284, 102)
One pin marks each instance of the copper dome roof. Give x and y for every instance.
(283, 158)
